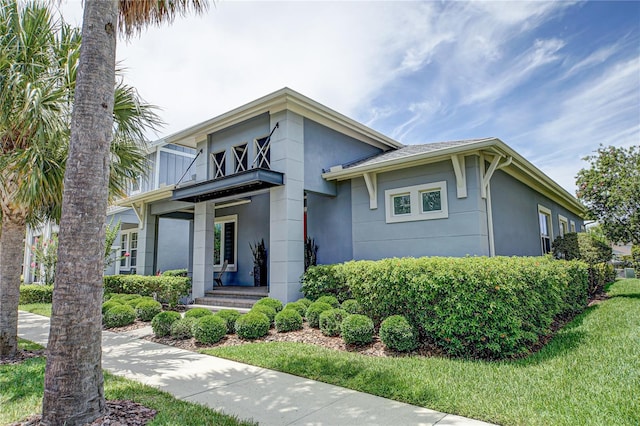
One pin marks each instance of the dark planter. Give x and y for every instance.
(259, 275)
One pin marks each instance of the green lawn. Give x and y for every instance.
(589, 374)
(37, 308)
(21, 388)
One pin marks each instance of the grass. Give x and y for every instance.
(21, 388)
(589, 374)
(37, 308)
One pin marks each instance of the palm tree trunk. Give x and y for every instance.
(74, 392)
(11, 254)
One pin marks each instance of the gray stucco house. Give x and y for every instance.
(285, 167)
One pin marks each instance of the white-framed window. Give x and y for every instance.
(572, 226)
(225, 242)
(128, 250)
(546, 228)
(263, 153)
(417, 202)
(219, 164)
(240, 157)
(563, 223)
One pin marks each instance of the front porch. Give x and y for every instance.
(232, 297)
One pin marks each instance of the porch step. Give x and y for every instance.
(214, 308)
(233, 297)
(225, 302)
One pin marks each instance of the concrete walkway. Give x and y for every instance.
(266, 396)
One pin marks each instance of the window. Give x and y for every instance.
(573, 226)
(240, 158)
(418, 202)
(128, 250)
(263, 153)
(225, 242)
(564, 225)
(546, 232)
(219, 164)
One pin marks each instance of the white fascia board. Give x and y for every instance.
(147, 197)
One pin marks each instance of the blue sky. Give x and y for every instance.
(551, 79)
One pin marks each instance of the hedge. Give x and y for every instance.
(35, 293)
(474, 307)
(168, 289)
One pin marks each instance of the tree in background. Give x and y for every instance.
(610, 189)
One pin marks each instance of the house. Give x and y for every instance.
(284, 167)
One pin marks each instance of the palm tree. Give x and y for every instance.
(74, 391)
(37, 78)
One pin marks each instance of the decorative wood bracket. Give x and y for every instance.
(485, 176)
(140, 209)
(371, 180)
(461, 175)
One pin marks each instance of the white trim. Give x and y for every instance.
(561, 220)
(176, 152)
(219, 167)
(126, 248)
(371, 180)
(222, 220)
(416, 212)
(238, 166)
(261, 152)
(572, 226)
(492, 244)
(547, 212)
(461, 175)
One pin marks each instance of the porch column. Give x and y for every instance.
(147, 241)
(203, 234)
(286, 246)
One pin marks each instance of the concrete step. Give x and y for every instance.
(235, 293)
(213, 308)
(226, 302)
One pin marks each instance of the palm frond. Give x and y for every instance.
(135, 15)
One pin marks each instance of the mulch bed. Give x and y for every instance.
(119, 413)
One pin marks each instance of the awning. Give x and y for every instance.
(236, 184)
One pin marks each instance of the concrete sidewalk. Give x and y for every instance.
(268, 397)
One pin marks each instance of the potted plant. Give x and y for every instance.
(259, 252)
(310, 253)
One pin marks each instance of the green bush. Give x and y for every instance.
(110, 304)
(161, 323)
(299, 307)
(197, 313)
(600, 275)
(183, 328)
(147, 309)
(635, 258)
(267, 310)
(331, 300)
(167, 289)
(288, 320)
(306, 302)
(331, 320)
(352, 306)
(397, 334)
(175, 273)
(209, 329)
(119, 316)
(229, 316)
(35, 293)
(321, 280)
(252, 325)
(270, 302)
(357, 330)
(134, 302)
(314, 311)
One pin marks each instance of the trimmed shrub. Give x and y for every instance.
(299, 307)
(183, 328)
(35, 293)
(397, 334)
(357, 330)
(197, 313)
(321, 280)
(331, 320)
(331, 300)
(306, 302)
(209, 329)
(119, 316)
(635, 259)
(267, 310)
(270, 302)
(229, 316)
(133, 302)
(288, 320)
(252, 325)
(147, 309)
(314, 311)
(167, 289)
(352, 306)
(109, 304)
(175, 273)
(161, 323)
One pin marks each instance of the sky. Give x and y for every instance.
(553, 80)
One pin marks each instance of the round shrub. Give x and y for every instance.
(197, 313)
(123, 297)
(183, 328)
(397, 334)
(271, 302)
(209, 329)
(357, 329)
(252, 325)
(331, 320)
(119, 316)
(109, 304)
(133, 302)
(288, 320)
(147, 309)
(267, 310)
(306, 302)
(229, 316)
(314, 311)
(299, 307)
(352, 306)
(161, 323)
(331, 300)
